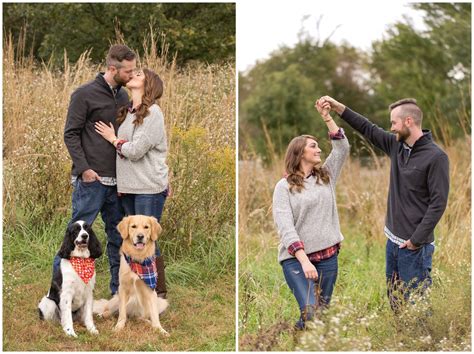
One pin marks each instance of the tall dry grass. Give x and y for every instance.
(199, 109)
(361, 197)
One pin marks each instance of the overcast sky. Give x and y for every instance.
(263, 26)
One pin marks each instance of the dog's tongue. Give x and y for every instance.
(139, 245)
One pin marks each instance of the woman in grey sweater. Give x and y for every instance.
(305, 214)
(142, 173)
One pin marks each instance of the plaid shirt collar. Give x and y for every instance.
(131, 109)
(145, 270)
(84, 267)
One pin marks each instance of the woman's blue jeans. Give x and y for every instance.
(299, 285)
(145, 204)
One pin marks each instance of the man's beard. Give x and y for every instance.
(119, 80)
(403, 134)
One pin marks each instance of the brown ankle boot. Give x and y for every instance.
(161, 282)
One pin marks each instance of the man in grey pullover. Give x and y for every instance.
(418, 192)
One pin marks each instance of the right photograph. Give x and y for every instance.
(354, 177)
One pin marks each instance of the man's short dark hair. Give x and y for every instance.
(409, 108)
(118, 53)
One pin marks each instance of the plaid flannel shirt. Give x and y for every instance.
(315, 256)
(118, 147)
(337, 135)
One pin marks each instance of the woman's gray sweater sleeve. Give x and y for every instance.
(149, 134)
(335, 161)
(283, 215)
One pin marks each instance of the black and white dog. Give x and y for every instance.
(70, 296)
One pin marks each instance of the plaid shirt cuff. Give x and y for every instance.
(119, 148)
(337, 135)
(295, 246)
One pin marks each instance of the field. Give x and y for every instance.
(200, 317)
(198, 241)
(360, 318)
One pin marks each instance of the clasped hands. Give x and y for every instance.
(323, 107)
(326, 104)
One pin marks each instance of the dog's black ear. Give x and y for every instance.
(68, 243)
(95, 248)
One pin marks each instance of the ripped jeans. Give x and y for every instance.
(297, 282)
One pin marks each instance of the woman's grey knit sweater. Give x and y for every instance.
(311, 215)
(143, 169)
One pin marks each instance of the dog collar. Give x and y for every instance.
(145, 270)
(84, 267)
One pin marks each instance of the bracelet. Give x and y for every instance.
(328, 120)
(113, 141)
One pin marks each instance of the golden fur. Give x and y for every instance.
(135, 298)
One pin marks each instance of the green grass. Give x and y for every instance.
(201, 291)
(360, 317)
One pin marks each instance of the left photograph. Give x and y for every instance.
(119, 177)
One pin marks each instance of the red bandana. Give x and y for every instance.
(84, 267)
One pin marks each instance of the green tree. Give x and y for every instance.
(199, 32)
(432, 66)
(280, 92)
(281, 103)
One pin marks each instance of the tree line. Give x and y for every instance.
(276, 97)
(202, 32)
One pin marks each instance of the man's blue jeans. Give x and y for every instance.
(88, 199)
(296, 280)
(145, 204)
(407, 270)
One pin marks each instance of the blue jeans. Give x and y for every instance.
(406, 270)
(297, 282)
(88, 199)
(145, 204)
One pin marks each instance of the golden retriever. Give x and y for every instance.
(135, 298)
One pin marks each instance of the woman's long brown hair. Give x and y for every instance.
(294, 153)
(153, 92)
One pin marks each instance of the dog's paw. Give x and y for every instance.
(106, 314)
(144, 319)
(162, 331)
(70, 332)
(93, 330)
(119, 326)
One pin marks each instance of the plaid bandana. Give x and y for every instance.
(84, 267)
(146, 270)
